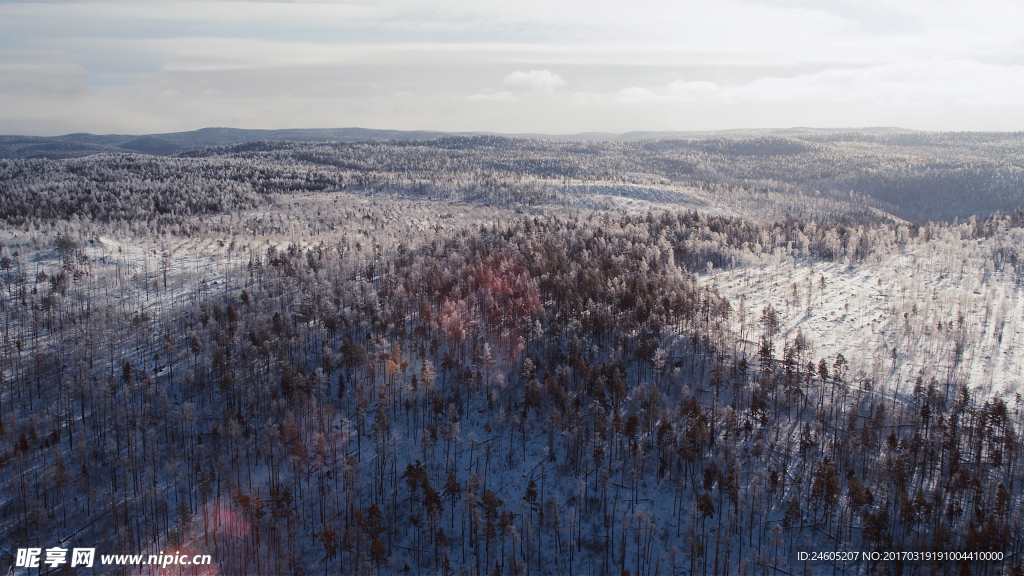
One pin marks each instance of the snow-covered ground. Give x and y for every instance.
(943, 305)
(923, 302)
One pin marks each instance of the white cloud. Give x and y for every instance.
(493, 95)
(693, 90)
(679, 91)
(537, 80)
(638, 95)
(934, 82)
(35, 73)
(587, 98)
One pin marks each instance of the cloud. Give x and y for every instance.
(637, 95)
(536, 80)
(493, 95)
(693, 90)
(587, 98)
(678, 91)
(35, 73)
(933, 82)
(936, 82)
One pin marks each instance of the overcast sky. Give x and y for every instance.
(551, 66)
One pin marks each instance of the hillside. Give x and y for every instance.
(911, 175)
(478, 355)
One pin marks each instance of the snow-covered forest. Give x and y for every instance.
(488, 355)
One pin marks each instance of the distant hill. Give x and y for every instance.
(78, 145)
(910, 174)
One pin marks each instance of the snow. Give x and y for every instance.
(859, 313)
(895, 301)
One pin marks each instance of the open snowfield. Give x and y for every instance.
(894, 318)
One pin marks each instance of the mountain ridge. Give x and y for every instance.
(162, 144)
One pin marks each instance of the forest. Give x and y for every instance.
(492, 355)
(917, 176)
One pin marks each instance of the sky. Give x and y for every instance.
(556, 67)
